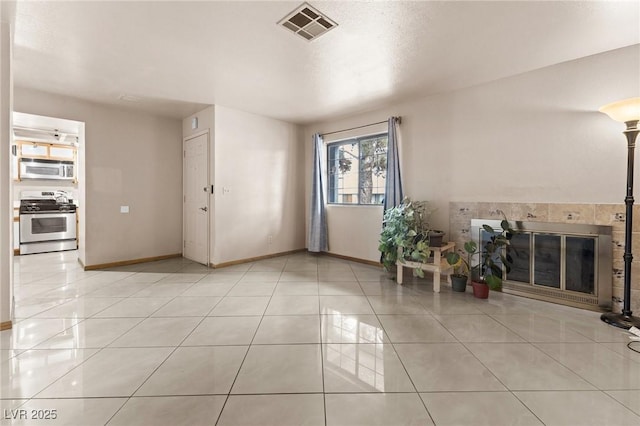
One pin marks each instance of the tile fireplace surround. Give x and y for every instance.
(461, 213)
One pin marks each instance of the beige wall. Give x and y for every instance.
(206, 118)
(131, 158)
(259, 195)
(6, 204)
(536, 137)
(256, 164)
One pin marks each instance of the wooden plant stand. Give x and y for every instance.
(438, 266)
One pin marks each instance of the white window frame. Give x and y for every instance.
(349, 141)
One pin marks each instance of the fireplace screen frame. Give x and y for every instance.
(601, 299)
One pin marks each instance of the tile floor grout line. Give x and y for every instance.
(500, 381)
(417, 393)
(107, 345)
(526, 406)
(67, 372)
(492, 316)
(165, 359)
(487, 368)
(566, 366)
(48, 338)
(463, 344)
(175, 348)
(246, 354)
(605, 345)
(126, 401)
(322, 352)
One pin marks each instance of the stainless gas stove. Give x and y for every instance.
(47, 222)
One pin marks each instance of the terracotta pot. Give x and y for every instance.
(480, 290)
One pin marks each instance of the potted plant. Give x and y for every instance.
(461, 266)
(405, 227)
(494, 255)
(435, 237)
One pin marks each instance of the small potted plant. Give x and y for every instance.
(405, 230)
(436, 237)
(494, 255)
(461, 266)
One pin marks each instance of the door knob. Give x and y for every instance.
(204, 209)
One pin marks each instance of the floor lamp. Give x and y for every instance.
(628, 112)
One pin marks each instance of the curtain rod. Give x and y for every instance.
(359, 127)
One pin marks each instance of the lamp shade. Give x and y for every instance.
(623, 111)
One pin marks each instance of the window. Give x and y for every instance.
(357, 170)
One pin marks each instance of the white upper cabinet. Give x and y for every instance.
(46, 150)
(28, 149)
(62, 152)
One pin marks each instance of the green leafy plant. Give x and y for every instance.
(405, 226)
(461, 266)
(496, 253)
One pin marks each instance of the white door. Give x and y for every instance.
(196, 199)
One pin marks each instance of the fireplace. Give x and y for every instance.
(563, 263)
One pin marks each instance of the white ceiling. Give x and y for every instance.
(178, 55)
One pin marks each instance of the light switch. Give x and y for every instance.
(194, 123)
(124, 209)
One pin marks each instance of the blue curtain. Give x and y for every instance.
(393, 188)
(318, 220)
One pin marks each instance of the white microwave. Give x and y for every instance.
(35, 168)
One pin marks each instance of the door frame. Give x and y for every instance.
(209, 193)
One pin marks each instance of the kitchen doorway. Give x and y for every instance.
(48, 177)
(196, 190)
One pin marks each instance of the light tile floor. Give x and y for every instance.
(298, 340)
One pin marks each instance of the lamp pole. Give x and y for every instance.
(629, 112)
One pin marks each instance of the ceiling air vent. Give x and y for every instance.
(307, 22)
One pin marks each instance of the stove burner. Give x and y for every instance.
(46, 202)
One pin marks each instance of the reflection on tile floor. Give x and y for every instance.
(294, 340)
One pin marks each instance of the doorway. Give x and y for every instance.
(58, 142)
(196, 190)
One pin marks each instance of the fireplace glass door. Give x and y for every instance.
(581, 265)
(568, 263)
(521, 255)
(547, 260)
(556, 261)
